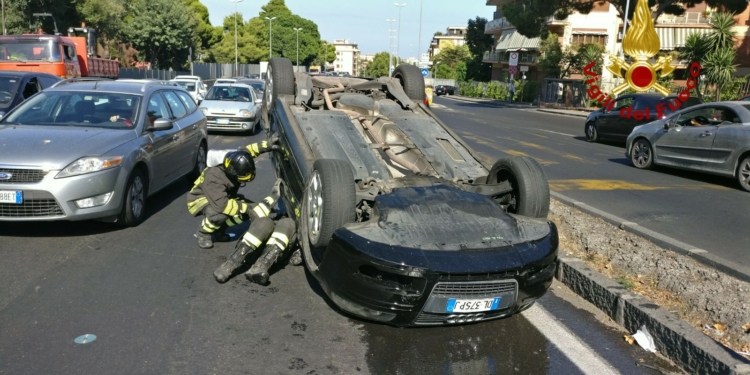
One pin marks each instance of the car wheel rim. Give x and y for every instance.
(314, 207)
(641, 154)
(745, 174)
(590, 131)
(201, 159)
(136, 197)
(269, 87)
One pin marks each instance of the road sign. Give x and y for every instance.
(513, 58)
(512, 70)
(524, 68)
(392, 69)
(425, 72)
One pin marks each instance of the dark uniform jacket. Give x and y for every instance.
(213, 188)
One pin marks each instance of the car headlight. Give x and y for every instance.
(89, 165)
(245, 113)
(204, 110)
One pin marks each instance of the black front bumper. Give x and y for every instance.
(405, 286)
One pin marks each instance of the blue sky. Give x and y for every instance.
(364, 21)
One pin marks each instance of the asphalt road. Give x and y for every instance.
(148, 295)
(708, 212)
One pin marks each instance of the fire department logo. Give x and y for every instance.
(641, 43)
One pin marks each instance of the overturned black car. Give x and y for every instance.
(398, 220)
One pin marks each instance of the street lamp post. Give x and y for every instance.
(390, 44)
(4, 30)
(236, 60)
(297, 29)
(419, 41)
(270, 36)
(398, 33)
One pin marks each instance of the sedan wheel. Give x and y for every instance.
(743, 173)
(591, 134)
(134, 205)
(314, 207)
(642, 154)
(137, 197)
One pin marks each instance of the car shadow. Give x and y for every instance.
(727, 182)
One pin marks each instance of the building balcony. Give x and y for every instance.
(689, 18)
(495, 26)
(525, 58)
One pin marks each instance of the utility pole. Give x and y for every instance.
(419, 42)
(297, 29)
(270, 36)
(390, 44)
(5, 32)
(236, 54)
(398, 33)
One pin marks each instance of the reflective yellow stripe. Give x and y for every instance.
(264, 208)
(249, 239)
(243, 207)
(259, 211)
(197, 205)
(253, 149)
(269, 200)
(264, 144)
(281, 237)
(232, 221)
(296, 212)
(209, 224)
(231, 208)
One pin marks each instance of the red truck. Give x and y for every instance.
(64, 56)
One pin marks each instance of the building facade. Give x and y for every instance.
(454, 36)
(347, 57)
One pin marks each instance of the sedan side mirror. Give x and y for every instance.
(161, 124)
(668, 124)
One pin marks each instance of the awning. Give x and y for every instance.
(672, 38)
(512, 40)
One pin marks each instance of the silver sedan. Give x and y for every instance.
(97, 150)
(712, 138)
(232, 107)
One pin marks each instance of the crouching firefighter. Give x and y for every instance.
(278, 236)
(215, 196)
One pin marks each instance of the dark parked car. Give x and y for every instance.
(397, 218)
(609, 124)
(445, 90)
(15, 87)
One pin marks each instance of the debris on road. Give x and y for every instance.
(645, 340)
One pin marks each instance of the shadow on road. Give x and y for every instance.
(690, 175)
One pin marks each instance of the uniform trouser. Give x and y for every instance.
(214, 220)
(272, 233)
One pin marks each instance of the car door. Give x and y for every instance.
(685, 144)
(625, 125)
(163, 142)
(192, 125)
(608, 123)
(732, 138)
(184, 151)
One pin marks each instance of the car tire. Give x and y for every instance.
(134, 202)
(279, 81)
(743, 173)
(642, 154)
(200, 163)
(530, 195)
(411, 80)
(592, 133)
(328, 204)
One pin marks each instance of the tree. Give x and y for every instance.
(556, 62)
(247, 44)
(718, 64)
(530, 16)
(162, 31)
(105, 16)
(478, 43)
(378, 67)
(452, 55)
(204, 31)
(588, 52)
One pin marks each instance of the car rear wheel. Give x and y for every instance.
(642, 154)
(328, 204)
(279, 81)
(200, 163)
(411, 80)
(530, 195)
(592, 135)
(743, 173)
(134, 207)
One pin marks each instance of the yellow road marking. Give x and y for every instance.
(533, 145)
(608, 185)
(519, 153)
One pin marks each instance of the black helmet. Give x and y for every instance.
(240, 165)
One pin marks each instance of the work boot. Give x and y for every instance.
(221, 235)
(296, 258)
(258, 273)
(224, 272)
(204, 240)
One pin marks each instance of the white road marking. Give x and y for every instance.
(550, 131)
(577, 351)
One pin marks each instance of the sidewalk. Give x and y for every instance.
(566, 112)
(499, 103)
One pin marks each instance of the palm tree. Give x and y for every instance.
(695, 49)
(719, 68)
(722, 35)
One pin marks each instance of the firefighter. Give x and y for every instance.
(215, 196)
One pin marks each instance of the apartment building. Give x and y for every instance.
(454, 36)
(603, 26)
(347, 57)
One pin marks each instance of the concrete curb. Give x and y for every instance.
(487, 101)
(661, 240)
(556, 112)
(690, 349)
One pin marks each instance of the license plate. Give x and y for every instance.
(472, 305)
(11, 196)
(222, 122)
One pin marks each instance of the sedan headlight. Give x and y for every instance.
(245, 113)
(204, 110)
(89, 165)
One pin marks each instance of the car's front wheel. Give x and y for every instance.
(328, 204)
(592, 134)
(530, 195)
(200, 163)
(642, 154)
(134, 207)
(743, 173)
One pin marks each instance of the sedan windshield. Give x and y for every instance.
(189, 86)
(229, 93)
(8, 90)
(77, 108)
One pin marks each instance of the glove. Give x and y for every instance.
(274, 139)
(276, 190)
